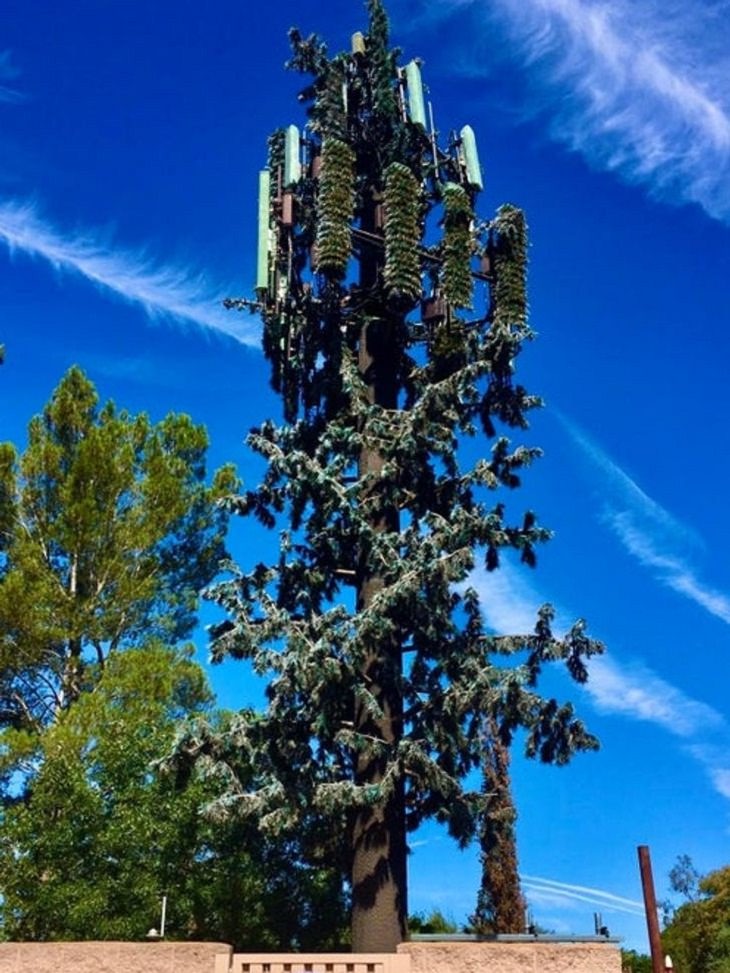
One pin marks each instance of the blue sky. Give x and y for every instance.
(130, 138)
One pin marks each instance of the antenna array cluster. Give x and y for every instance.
(289, 191)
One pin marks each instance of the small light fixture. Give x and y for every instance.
(152, 935)
(668, 964)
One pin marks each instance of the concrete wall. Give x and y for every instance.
(529, 957)
(112, 957)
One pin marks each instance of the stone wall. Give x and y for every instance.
(425, 957)
(112, 957)
(505, 957)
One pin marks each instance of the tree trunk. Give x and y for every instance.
(379, 906)
(500, 903)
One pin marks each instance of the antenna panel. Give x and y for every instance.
(416, 107)
(292, 162)
(262, 263)
(471, 157)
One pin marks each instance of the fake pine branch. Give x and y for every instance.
(458, 246)
(336, 201)
(402, 273)
(509, 255)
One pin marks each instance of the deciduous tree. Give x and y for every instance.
(102, 833)
(697, 935)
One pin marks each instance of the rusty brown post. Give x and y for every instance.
(652, 923)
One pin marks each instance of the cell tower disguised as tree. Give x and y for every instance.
(388, 360)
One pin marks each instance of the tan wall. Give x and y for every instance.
(319, 963)
(433, 957)
(111, 957)
(529, 957)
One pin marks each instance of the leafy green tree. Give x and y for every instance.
(381, 670)
(633, 962)
(100, 835)
(108, 531)
(431, 923)
(684, 880)
(103, 834)
(698, 935)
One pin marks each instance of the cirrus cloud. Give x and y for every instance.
(638, 87)
(161, 290)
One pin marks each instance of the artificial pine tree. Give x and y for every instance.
(380, 669)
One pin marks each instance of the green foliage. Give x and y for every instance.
(432, 923)
(509, 255)
(633, 962)
(457, 246)
(330, 115)
(107, 533)
(102, 833)
(383, 62)
(336, 186)
(697, 936)
(684, 878)
(402, 271)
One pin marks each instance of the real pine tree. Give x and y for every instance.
(500, 903)
(108, 531)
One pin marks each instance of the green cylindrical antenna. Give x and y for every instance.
(264, 248)
(416, 107)
(471, 157)
(292, 163)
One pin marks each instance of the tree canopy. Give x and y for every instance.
(103, 833)
(100, 835)
(697, 935)
(108, 531)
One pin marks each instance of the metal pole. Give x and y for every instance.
(652, 922)
(163, 917)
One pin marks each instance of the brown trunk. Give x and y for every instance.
(500, 904)
(379, 906)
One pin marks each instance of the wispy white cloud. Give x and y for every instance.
(640, 87)
(509, 602)
(721, 779)
(632, 690)
(714, 758)
(8, 72)
(161, 290)
(670, 568)
(549, 891)
(648, 532)
(625, 490)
